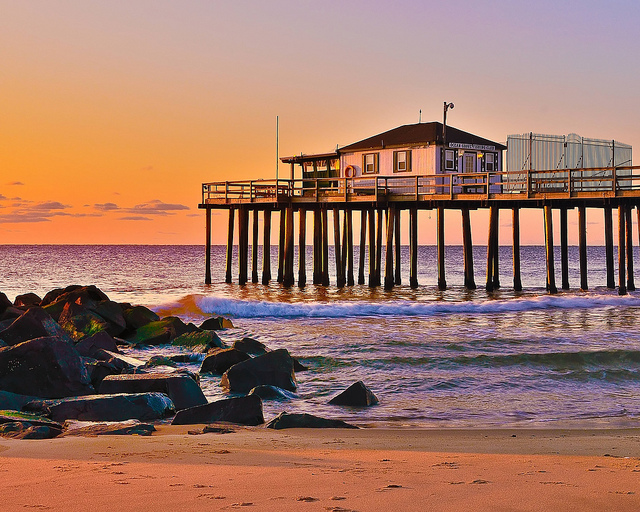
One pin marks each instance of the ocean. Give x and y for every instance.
(455, 358)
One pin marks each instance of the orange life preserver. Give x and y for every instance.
(349, 171)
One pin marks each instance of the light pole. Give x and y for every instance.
(447, 106)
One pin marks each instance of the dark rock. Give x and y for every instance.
(357, 395)
(159, 361)
(286, 420)
(14, 401)
(246, 410)
(216, 324)
(200, 340)
(273, 368)
(54, 302)
(26, 418)
(220, 360)
(160, 332)
(138, 316)
(119, 407)
(183, 390)
(298, 366)
(114, 428)
(250, 346)
(85, 317)
(11, 313)
(185, 358)
(272, 393)
(111, 312)
(47, 367)
(19, 430)
(34, 323)
(27, 299)
(4, 302)
(127, 362)
(101, 340)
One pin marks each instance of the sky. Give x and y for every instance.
(112, 114)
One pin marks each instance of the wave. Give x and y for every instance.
(558, 360)
(236, 308)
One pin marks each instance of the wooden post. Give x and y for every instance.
(336, 248)
(227, 278)
(467, 247)
(302, 247)
(608, 242)
(207, 250)
(317, 247)
(582, 246)
(363, 243)
(388, 264)
(266, 248)
(564, 249)
(281, 248)
(548, 239)
(631, 286)
(442, 282)
(243, 244)
(343, 247)
(254, 248)
(491, 248)
(379, 249)
(288, 279)
(413, 247)
(372, 248)
(397, 278)
(349, 217)
(496, 250)
(515, 225)
(325, 247)
(622, 288)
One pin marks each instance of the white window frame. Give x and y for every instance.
(452, 154)
(373, 164)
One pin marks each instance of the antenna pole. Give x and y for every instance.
(277, 147)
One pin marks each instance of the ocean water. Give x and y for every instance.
(456, 358)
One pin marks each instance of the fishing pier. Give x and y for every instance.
(425, 171)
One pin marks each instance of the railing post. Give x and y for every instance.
(417, 187)
(488, 184)
(376, 187)
(614, 182)
(569, 182)
(529, 184)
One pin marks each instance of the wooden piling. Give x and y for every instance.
(515, 226)
(491, 247)
(254, 247)
(350, 270)
(343, 248)
(388, 264)
(608, 243)
(302, 247)
(397, 278)
(622, 285)
(317, 247)
(548, 239)
(631, 286)
(442, 282)
(243, 244)
(564, 249)
(266, 247)
(582, 246)
(325, 247)
(413, 247)
(227, 278)
(363, 244)
(281, 248)
(467, 248)
(336, 248)
(496, 250)
(207, 250)
(372, 248)
(379, 248)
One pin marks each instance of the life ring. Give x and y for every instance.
(349, 171)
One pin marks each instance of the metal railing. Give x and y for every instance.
(526, 184)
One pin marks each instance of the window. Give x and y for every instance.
(489, 162)
(370, 163)
(450, 160)
(401, 161)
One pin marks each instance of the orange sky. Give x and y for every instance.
(114, 113)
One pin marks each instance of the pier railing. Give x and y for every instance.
(531, 184)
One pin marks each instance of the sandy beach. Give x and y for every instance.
(326, 470)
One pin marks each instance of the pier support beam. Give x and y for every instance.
(317, 247)
(207, 250)
(349, 248)
(496, 249)
(227, 278)
(413, 247)
(379, 248)
(388, 264)
(467, 247)
(288, 279)
(254, 247)
(397, 278)
(564, 249)
(243, 244)
(372, 248)
(336, 248)
(582, 246)
(515, 225)
(266, 247)
(442, 282)
(608, 243)
(491, 247)
(302, 248)
(548, 242)
(622, 285)
(281, 248)
(343, 248)
(631, 286)
(363, 245)
(325, 247)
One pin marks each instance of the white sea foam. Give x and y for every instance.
(258, 309)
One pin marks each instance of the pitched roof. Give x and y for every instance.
(420, 133)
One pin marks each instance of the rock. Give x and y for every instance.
(183, 390)
(19, 430)
(34, 323)
(47, 367)
(250, 346)
(14, 401)
(286, 420)
(272, 393)
(220, 360)
(28, 419)
(118, 407)
(216, 324)
(111, 428)
(160, 332)
(11, 313)
(27, 299)
(298, 366)
(185, 358)
(4, 302)
(111, 312)
(80, 322)
(159, 361)
(138, 316)
(246, 410)
(54, 301)
(201, 340)
(357, 395)
(273, 368)
(127, 362)
(101, 340)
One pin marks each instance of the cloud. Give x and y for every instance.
(23, 217)
(157, 207)
(135, 217)
(3, 198)
(106, 207)
(16, 183)
(51, 205)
